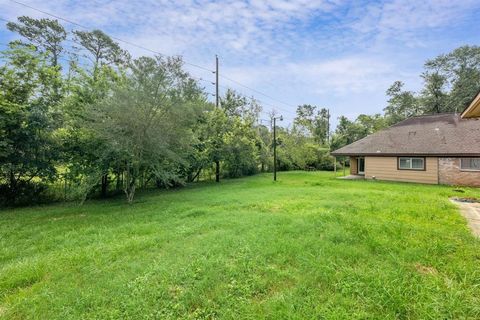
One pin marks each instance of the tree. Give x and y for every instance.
(85, 165)
(401, 104)
(212, 136)
(314, 122)
(433, 97)
(450, 83)
(145, 121)
(350, 131)
(102, 48)
(46, 34)
(237, 105)
(264, 146)
(27, 105)
(104, 53)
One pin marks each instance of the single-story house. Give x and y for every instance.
(435, 149)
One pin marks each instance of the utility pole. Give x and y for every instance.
(217, 104)
(275, 146)
(217, 101)
(328, 126)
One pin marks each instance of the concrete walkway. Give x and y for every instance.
(352, 177)
(471, 212)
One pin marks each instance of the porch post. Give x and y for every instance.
(335, 165)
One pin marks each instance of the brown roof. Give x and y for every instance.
(440, 134)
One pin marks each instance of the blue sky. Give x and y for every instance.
(338, 54)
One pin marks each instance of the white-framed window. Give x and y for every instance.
(411, 163)
(470, 164)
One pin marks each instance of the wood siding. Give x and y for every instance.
(473, 110)
(353, 166)
(386, 168)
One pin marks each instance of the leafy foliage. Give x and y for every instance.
(28, 105)
(450, 83)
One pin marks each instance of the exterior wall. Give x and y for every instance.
(450, 173)
(386, 168)
(353, 166)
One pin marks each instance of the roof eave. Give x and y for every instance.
(473, 109)
(400, 154)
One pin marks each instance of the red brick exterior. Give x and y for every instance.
(449, 172)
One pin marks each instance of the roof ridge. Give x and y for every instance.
(422, 116)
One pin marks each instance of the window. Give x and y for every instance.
(470, 164)
(407, 163)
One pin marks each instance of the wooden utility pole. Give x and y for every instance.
(217, 101)
(328, 126)
(274, 149)
(275, 146)
(217, 104)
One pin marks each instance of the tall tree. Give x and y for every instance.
(101, 47)
(462, 69)
(401, 104)
(433, 95)
(46, 34)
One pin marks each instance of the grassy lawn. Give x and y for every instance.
(309, 246)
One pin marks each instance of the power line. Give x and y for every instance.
(113, 37)
(155, 52)
(262, 102)
(254, 90)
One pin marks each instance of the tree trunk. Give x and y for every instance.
(104, 185)
(13, 188)
(196, 175)
(217, 171)
(130, 189)
(118, 181)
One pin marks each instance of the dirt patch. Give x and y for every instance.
(425, 270)
(471, 211)
(467, 200)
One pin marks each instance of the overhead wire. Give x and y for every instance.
(161, 54)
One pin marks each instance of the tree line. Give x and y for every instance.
(92, 121)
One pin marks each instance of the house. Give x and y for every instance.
(435, 149)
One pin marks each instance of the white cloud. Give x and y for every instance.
(294, 50)
(405, 20)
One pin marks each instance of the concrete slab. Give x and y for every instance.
(471, 212)
(352, 177)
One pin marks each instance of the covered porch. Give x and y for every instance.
(357, 167)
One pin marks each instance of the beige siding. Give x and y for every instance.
(385, 168)
(353, 165)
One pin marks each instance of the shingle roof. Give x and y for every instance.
(440, 134)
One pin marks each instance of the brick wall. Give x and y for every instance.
(449, 172)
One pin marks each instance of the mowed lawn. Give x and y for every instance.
(307, 247)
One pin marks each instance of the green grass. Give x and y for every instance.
(307, 247)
